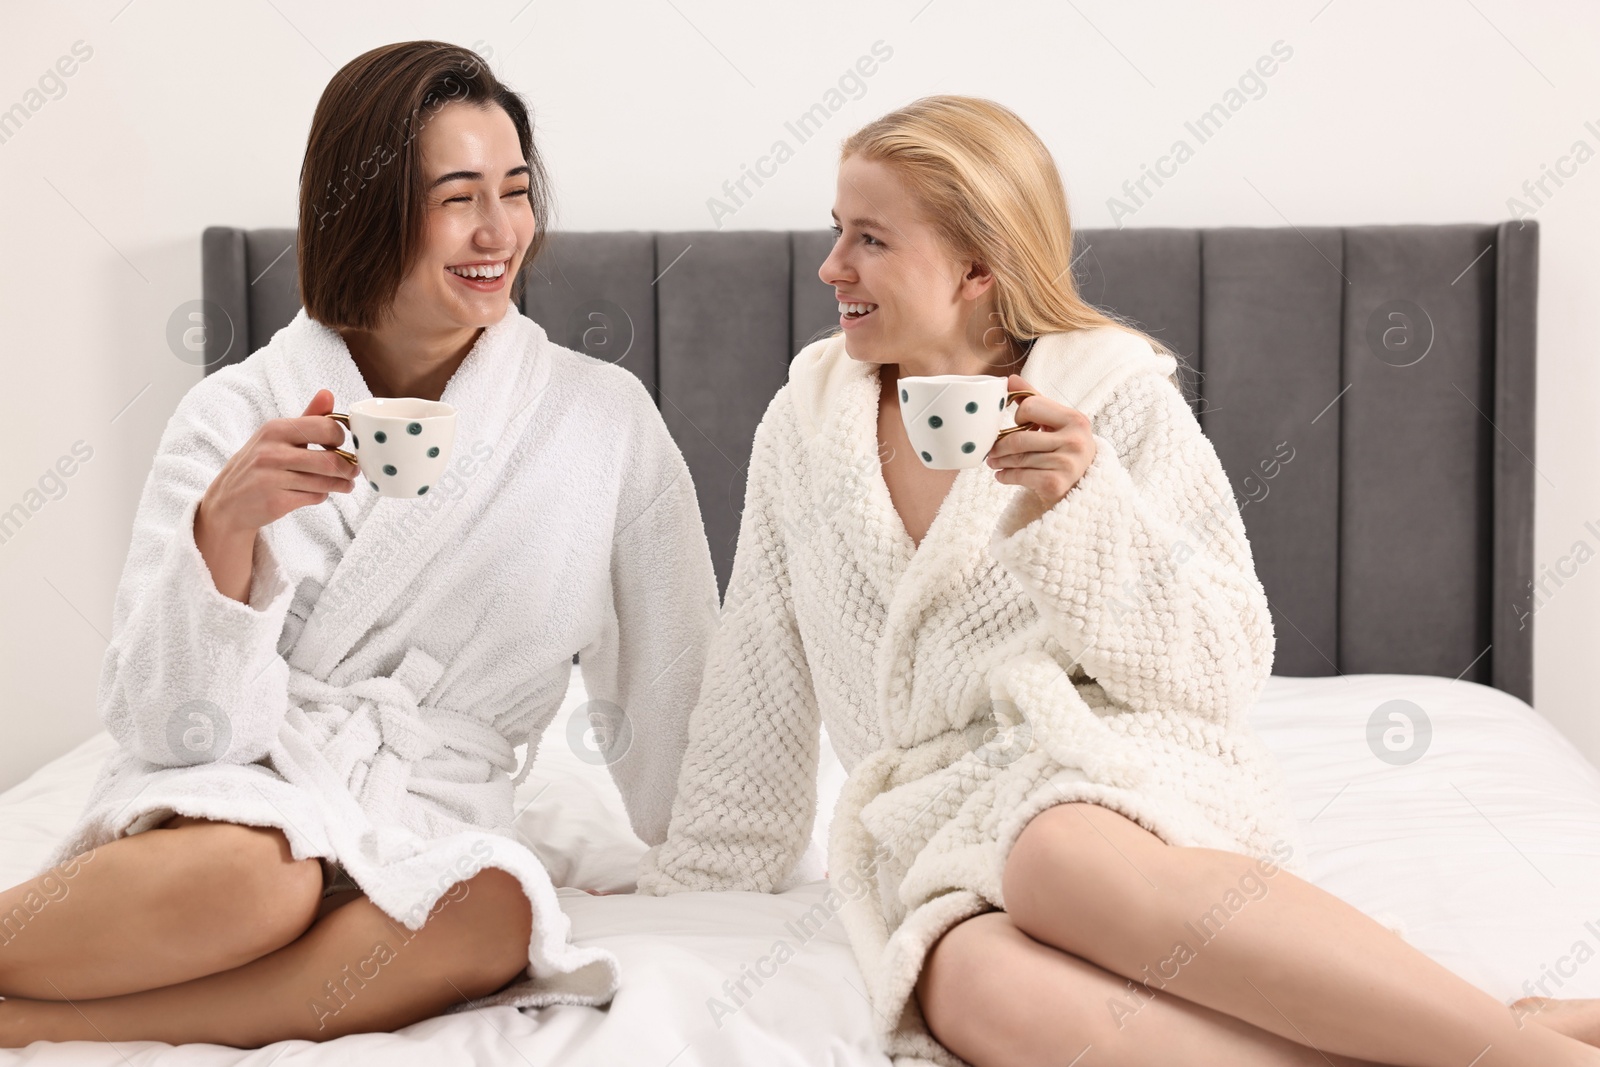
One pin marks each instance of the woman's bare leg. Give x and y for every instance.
(189, 898)
(354, 971)
(1576, 1018)
(1253, 941)
(968, 993)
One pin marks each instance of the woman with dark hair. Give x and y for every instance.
(307, 829)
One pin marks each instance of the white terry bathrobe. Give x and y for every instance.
(1105, 650)
(369, 697)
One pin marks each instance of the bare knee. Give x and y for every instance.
(271, 897)
(488, 921)
(1079, 873)
(951, 994)
(968, 993)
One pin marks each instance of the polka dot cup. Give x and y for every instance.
(402, 444)
(954, 419)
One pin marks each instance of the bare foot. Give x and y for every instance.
(1578, 1019)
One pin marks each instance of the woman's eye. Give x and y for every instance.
(516, 192)
(867, 237)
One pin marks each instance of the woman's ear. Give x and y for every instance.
(977, 280)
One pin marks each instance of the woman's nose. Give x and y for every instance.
(497, 221)
(833, 269)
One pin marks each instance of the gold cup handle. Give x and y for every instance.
(1016, 396)
(344, 420)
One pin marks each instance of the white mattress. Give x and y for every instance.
(1486, 849)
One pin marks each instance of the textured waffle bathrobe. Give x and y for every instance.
(368, 698)
(1105, 650)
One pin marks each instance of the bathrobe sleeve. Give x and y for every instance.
(192, 675)
(642, 672)
(748, 793)
(1143, 569)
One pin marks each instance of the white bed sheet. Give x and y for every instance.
(1486, 850)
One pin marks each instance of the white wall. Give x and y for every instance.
(189, 114)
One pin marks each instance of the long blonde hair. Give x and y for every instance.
(990, 189)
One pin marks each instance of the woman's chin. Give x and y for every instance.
(858, 351)
(480, 315)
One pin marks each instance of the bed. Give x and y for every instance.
(1431, 794)
(1483, 850)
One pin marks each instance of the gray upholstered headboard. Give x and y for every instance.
(1370, 391)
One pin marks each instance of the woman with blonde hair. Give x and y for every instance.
(1059, 838)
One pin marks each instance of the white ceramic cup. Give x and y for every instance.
(954, 419)
(402, 443)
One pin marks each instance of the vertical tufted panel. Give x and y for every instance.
(225, 287)
(724, 346)
(1416, 515)
(1150, 278)
(1270, 375)
(272, 270)
(1516, 305)
(815, 309)
(591, 292)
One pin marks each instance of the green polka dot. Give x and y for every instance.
(969, 447)
(421, 491)
(434, 451)
(355, 440)
(373, 484)
(935, 421)
(927, 458)
(379, 436)
(388, 468)
(1002, 403)
(972, 407)
(904, 396)
(413, 428)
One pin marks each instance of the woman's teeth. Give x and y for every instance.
(493, 271)
(855, 311)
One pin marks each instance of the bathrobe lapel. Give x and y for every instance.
(496, 392)
(845, 455)
(846, 452)
(906, 577)
(836, 401)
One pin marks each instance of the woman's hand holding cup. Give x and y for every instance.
(1050, 458)
(272, 474)
(275, 472)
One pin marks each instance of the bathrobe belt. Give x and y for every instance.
(380, 737)
(901, 795)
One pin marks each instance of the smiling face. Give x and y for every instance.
(904, 296)
(478, 221)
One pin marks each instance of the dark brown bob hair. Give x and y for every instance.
(362, 189)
